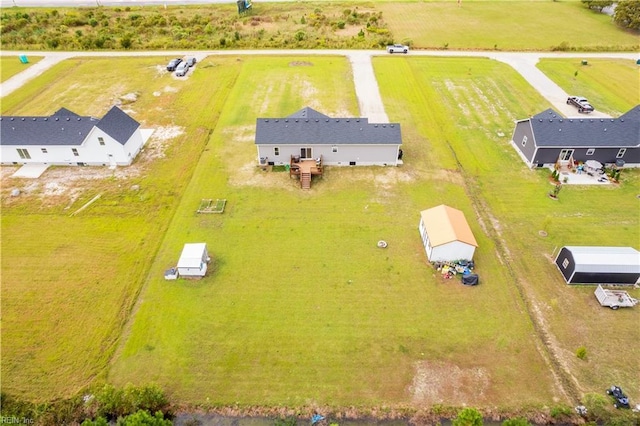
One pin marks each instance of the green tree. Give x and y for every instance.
(627, 14)
(597, 4)
(468, 417)
(126, 41)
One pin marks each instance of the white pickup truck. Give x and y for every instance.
(398, 48)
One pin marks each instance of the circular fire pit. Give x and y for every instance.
(382, 244)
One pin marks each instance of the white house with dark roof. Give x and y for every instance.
(548, 138)
(66, 138)
(309, 134)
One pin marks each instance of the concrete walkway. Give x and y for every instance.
(369, 99)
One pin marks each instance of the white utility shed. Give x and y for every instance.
(193, 260)
(446, 235)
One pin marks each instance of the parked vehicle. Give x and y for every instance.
(191, 61)
(182, 69)
(398, 48)
(171, 66)
(614, 299)
(621, 400)
(582, 104)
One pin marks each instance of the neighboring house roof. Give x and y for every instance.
(54, 130)
(308, 126)
(602, 259)
(64, 128)
(552, 130)
(445, 224)
(117, 124)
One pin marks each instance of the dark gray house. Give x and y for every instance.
(309, 134)
(599, 265)
(548, 139)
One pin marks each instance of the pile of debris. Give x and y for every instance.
(464, 268)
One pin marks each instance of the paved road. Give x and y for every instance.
(369, 99)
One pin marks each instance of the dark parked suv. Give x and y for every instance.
(171, 66)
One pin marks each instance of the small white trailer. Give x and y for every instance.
(614, 299)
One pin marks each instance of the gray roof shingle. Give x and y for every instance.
(308, 112)
(64, 128)
(58, 129)
(553, 130)
(319, 129)
(117, 124)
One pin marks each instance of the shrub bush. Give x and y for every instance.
(559, 411)
(581, 352)
(597, 406)
(468, 417)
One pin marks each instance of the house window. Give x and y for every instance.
(44, 150)
(590, 151)
(565, 263)
(24, 154)
(305, 153)
(276, 151)
(524, 140)
(75, 152)
(100, 140)
(565, 154)
(334, 149)
(621, 152)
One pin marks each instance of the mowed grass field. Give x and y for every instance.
(301, 307)
(612, 85)
(504, 25)
(475, 111)
(69, 282)
(11, 65)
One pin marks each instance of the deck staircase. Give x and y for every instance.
(305, 180)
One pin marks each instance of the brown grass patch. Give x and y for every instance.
(438, 382)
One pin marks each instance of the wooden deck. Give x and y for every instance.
(305, 169)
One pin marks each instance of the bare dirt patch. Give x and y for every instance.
(300, 64)
(438, 382)
(348, 31)
(65, 184)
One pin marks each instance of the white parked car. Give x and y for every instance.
(398, 48)
(182, 69)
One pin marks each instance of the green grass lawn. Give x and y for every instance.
(11, 65)
(476, 108)
(613, 86)
(301, 308)
(504, 25)
(69, 283)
